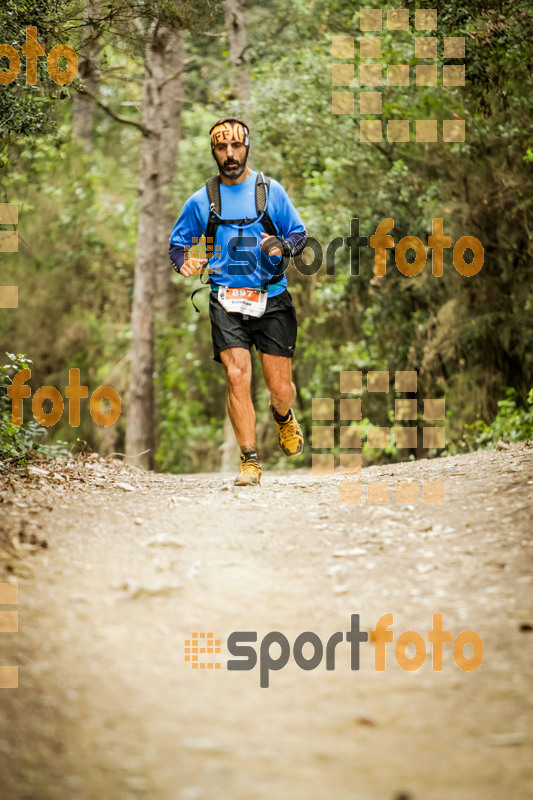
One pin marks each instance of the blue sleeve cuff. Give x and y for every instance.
(297, 241)
(177, 256)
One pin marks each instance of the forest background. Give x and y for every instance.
(100, 169)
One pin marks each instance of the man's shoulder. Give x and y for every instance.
(198, 198)
(276, 186)
(277, 192)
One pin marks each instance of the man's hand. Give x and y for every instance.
(271, 244)
(191, 266)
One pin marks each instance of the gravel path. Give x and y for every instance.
(117, 568)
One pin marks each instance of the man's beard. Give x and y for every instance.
(232, 167)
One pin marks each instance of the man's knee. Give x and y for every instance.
(283, 391)
(238, 375)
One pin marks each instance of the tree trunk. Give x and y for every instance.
(234, 16)
(157, 120)
(171, 98)
(83, 106)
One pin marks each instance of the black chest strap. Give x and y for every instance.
(262, 187)
(214, 220)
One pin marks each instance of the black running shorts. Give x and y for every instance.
(273, 333)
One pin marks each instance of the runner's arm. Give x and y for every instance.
(296, 242)
(177, 256)
(288, 221)
(186, 232)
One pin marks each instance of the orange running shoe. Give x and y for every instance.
(250, 473)
(290, 436)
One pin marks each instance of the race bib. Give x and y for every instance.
(243, 301)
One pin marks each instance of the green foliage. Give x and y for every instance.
(191, 397)
(73, 269)
(512, 423)
(20, 440)
(25, 109)
(14, 441)
(468, 338)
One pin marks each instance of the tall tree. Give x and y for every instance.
(161, 107)
(171, 59)
(239, 58)
(83, 103)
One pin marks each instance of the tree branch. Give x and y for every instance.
(176, 74)
(118, 117)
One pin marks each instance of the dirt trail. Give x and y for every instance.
(108, 708)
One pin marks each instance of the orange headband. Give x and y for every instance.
(230, 132)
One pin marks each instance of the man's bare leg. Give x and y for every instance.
(237, 363)
(278, 378)
(277, 371)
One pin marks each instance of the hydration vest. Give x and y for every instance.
(262, 188)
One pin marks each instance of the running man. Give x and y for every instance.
(251, 223)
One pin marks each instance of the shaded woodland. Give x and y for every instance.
(100, 169)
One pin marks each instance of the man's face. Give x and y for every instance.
(231, 158)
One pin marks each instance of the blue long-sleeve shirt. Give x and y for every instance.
(241, 262)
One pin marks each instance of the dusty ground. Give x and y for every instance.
(108, 708)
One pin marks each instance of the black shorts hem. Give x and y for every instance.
(216, 356)
(270, 352)
(274, 333)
